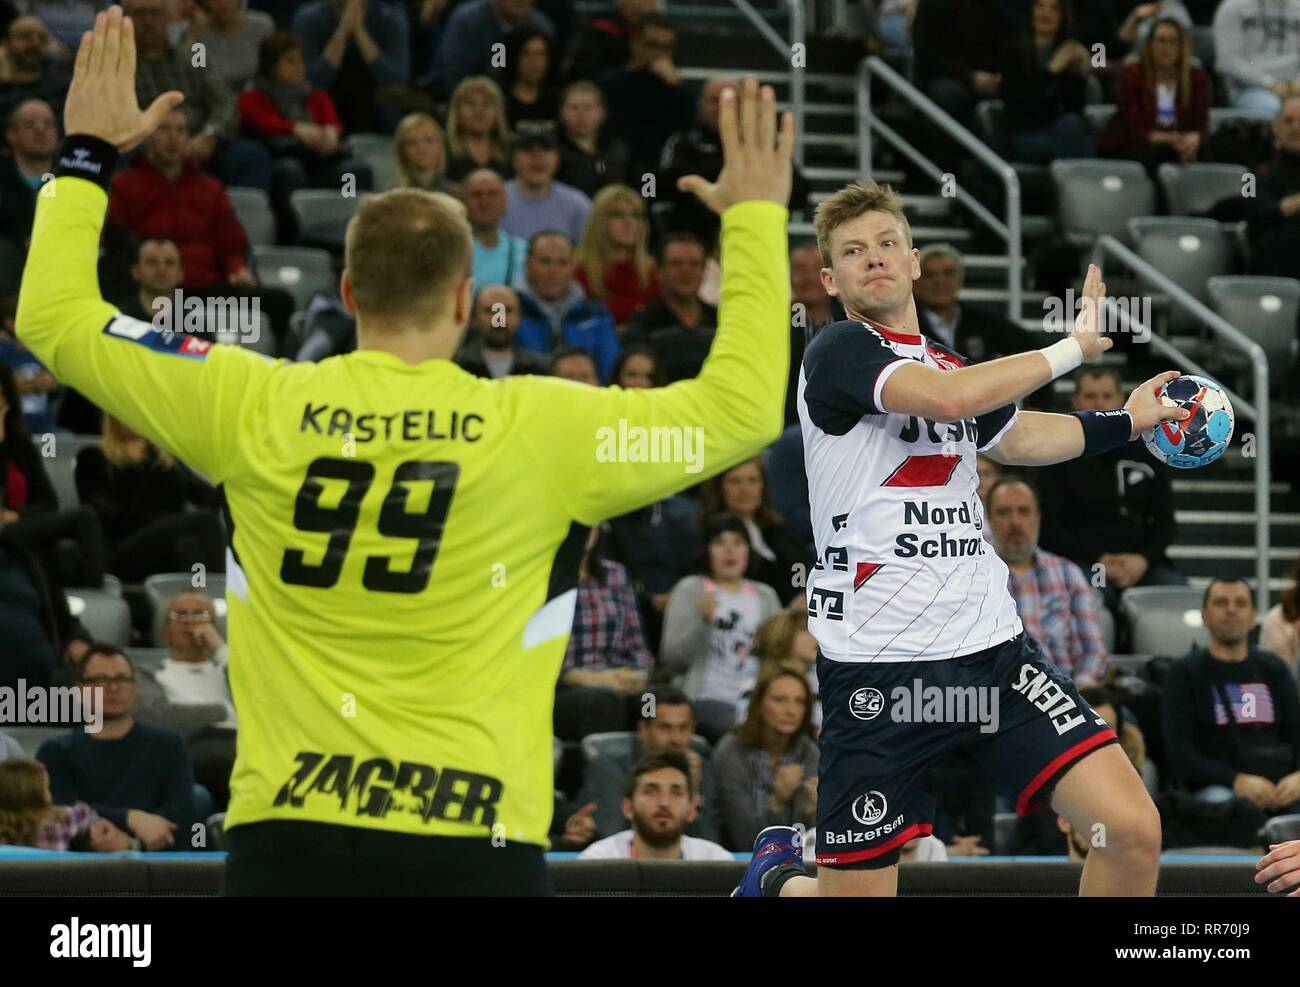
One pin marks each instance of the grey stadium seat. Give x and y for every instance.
(323, 215)
(1096, 197)
(1099, 116)
(1166, 620)
(1188, 251)
(148, 659)
(376, 150)
(1266, 310)
(160, 590)
(620, 744)
(253, 207)
(1197, 188)
(105, 616)
(30, 738)
(62, 465)
(301, 271)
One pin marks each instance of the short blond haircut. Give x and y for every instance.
(406, 252)
(848, 204)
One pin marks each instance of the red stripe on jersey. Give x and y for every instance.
(1023, 807)
(906, 836)
(892, 335)
(945, 360)
(923, 471)
(865, 571)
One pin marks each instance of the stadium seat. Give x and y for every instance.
(990, 119)
(301, 271)
(1187, 250)
(1130, 664)
(1281, 829)
(1166, 620)
(323, 216)
(148, 659)
(62, 465)
(105, 616)
(161, 588)
(1265, 309)
(376, 150)
(1096, 197)
(1006, 829)
(253, 208)
(1194, 189)
(621, 744)
(30, 738)
(1099, 116)
(217, 831)
(1203, 46)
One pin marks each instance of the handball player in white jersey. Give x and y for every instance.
(906, 592)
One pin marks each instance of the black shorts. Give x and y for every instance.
(885, 724)
(288, 857)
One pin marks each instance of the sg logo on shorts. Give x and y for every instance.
(867, 703)
(869, 809)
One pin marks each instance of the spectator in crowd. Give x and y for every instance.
(30, 70)
(697, 150)
(975, 333)
(1280, 633)
(66, 19)
(478, 135)
(775, 554)
(231, 37)
(29, 817)
(491, 349)
(359, 51)
(156, 274)
(1164, 102)
(499, 258)
(637, 366)
(788, 484)
(589, 159)
(959, 46)
(1257, 52)
(1230, 711)
(893, 23)
(35, 395)
(1044, 74)
(785, 638)
(605, 43)
(140, 493)
(38, 625)
(665, 724)
(571, 363)
(657, 545)
(557, 313)
(421, 152)
(70, 542)
(472, 30)
(212, 117)
(709, 626)
(535, 201)
(300, 126)
(161, 194)
(527, 78)
(1273, 214)
(607, 662)
(1137, 26)
(1126, 523)
(989, 471)
(810, 309)
(9, 748)
(647, 93)
(1052, 596)
(1106, 705)
(33, 137)
(660, 801)
(677, 324)
(136, 776)
(765, 771)
(614, 262)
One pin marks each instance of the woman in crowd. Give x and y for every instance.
(421, 152)
(785, 638)
(1281, 631)
(478, 135)
(764, 773)
(1164, 102)
(29, 817)
(527, 78)
(607, 663)
(589, 160)
(613, 259)
(140, 493)
(709, 627)
(775, 553)
(637, 366)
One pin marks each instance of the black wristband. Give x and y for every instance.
(91, 158)
(1104, 430)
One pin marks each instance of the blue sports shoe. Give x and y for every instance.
(774, 847)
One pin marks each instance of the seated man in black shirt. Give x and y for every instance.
(136, 776)
(157, 273)
(677, 324)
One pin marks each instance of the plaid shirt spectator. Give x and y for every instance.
(64, 826)
(607, 626)
(209, 104)
(1056, 606)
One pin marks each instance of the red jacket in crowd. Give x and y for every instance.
(193, 212)
(260, 118)
(624, 293)
(1135, 116)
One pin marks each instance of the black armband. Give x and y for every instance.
(1104, 430)
(91, 158)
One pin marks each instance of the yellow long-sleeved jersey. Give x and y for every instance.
(404, 539)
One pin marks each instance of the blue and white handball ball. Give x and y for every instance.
(1202, 438)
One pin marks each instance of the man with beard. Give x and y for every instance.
(491, 350)
(31, 72)
(659, 802)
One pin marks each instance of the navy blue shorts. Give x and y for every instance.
(884, 724)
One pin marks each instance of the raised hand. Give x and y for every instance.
(1088, 322)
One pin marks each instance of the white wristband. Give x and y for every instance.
(1063, 356)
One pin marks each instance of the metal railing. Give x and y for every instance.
(785, 47)
(1234, 338)
(1009, 227)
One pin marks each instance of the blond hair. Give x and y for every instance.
(500, 128)
(406, 251)
(114, 438)
(595, 251)
(848, 204)
(23, 805)
(409, 123)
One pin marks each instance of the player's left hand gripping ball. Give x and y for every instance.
(1201, 438)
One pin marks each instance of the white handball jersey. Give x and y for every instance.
(903, 571)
